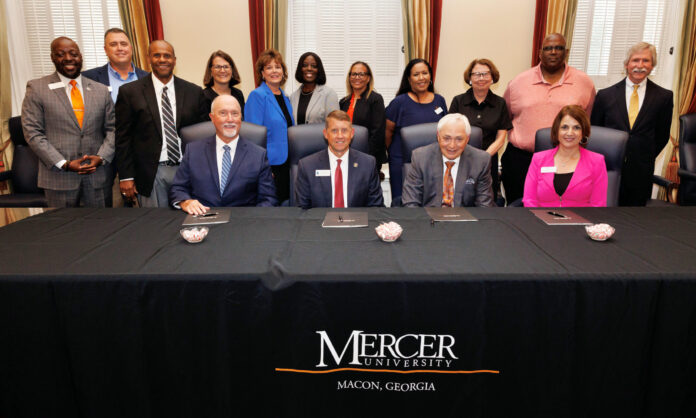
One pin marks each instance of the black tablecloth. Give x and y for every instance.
(110, 313)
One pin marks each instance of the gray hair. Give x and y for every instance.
(212, 104)
(641, 46)
(453, 117)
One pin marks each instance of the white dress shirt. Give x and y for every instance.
(68, 89)
(219, 143)
(455, 167)
(159, 86)
(333, 163)
(641, 92)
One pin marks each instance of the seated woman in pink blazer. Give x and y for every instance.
(567, 175)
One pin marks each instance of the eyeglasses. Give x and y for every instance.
(485, 74)
(549, 48)
(358, 75)
(221, 67)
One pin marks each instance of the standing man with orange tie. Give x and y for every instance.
(644, 110)
(68, 121)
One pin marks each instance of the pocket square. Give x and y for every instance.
(470, 180)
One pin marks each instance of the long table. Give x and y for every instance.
(109, 313)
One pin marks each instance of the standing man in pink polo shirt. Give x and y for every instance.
(533, 99)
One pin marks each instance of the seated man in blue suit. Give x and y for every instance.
(225, 169)
(338, 177)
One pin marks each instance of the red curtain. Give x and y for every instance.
(256, 29)
(435, 21)
(542, 7)
(153, 16)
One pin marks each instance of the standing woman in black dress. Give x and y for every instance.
(220, 77)
(366, 108)
(486, 110)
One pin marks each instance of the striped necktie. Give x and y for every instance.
(226, 165)
(448, 186)
(170, 135)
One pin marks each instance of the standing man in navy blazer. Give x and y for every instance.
(149, 114)
(117, 72)
(338, 177)
(644, 110)
(225, 169)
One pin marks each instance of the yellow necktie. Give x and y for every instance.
(78, 105)
(633, 106)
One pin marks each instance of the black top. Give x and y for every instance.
(561, 182)
(211, 94)
(369, 112)
(491, 115)
(302, 107)
(281, 102)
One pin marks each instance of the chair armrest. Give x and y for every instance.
(516, 204)
(686, 174)
(662, 182)
(5, 175)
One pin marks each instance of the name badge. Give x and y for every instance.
(551, 169)
(110, 89)
(57, 85)
(438, 110)
(322, 173)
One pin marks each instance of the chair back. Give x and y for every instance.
(249, 131)
(304, 140)
(416, 136)
(25, 172)
(687, 159)
(611, 143)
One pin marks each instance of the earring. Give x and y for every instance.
(584, 140)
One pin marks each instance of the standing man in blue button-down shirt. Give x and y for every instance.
(117, 72)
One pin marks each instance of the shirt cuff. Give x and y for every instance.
(61, 163)
(128, 179)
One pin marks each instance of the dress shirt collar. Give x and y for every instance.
(65, 80)
(641, 85)
(333, 158)
(160, 85)
(115, 74)
(566, 78)
(219, 143)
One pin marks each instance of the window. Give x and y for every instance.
(33, 24)
(605, 30)
(342, 32)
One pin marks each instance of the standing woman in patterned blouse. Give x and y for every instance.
(366, 108)
(415, 103)
(268, 105)
(314, 99)
(486, 110)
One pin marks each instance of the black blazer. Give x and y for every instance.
(369, 112)
(646, 140)
(101, 74)
(139, 127)
(210, 95)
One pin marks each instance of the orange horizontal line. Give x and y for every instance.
(387, 371)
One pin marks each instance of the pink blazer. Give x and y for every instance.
(588, 186)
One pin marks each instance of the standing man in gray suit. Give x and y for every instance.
(68, 121)
(448, 173)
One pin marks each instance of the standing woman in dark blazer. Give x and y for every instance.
(486, 110)
(268, 105)
(314, 100)
(366, 108)
(220, 77)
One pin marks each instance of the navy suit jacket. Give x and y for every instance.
(312, 191)
(249, 182)
(101, 74)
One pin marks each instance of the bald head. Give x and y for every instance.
(66, 56)
(553, 53)
(226, 115)
(162, 60)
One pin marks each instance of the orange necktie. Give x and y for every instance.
(78, 105)
(448, 186)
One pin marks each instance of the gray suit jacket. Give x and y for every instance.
(323, 102)
(53, 133)
(423, 185)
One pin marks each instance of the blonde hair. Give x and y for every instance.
(641, 46)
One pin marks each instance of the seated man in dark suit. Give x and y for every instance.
(448, 173)
(339, 177)
(225, 169)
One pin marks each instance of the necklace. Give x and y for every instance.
(302, 92)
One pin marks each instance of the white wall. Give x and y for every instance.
(500, 30)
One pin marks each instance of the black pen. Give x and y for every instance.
(556, 214)
(340, 218)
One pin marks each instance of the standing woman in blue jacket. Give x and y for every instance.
(268, 105)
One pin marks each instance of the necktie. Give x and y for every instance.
(170, 135)
(78, 105)
(448, 186)
(338, 187)
(226, 165)
(633, 106)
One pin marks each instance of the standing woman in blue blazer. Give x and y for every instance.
(268, 105)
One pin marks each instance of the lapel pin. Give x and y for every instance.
(355, 164)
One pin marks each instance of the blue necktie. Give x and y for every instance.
(226, 165)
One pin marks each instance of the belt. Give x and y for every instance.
(168, 163)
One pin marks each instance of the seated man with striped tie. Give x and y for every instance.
(339, 177)
(447, 172)
(225, 169)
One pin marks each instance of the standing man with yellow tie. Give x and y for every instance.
(68, 121)
(644, 110)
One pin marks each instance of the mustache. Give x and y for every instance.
(639, 70)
